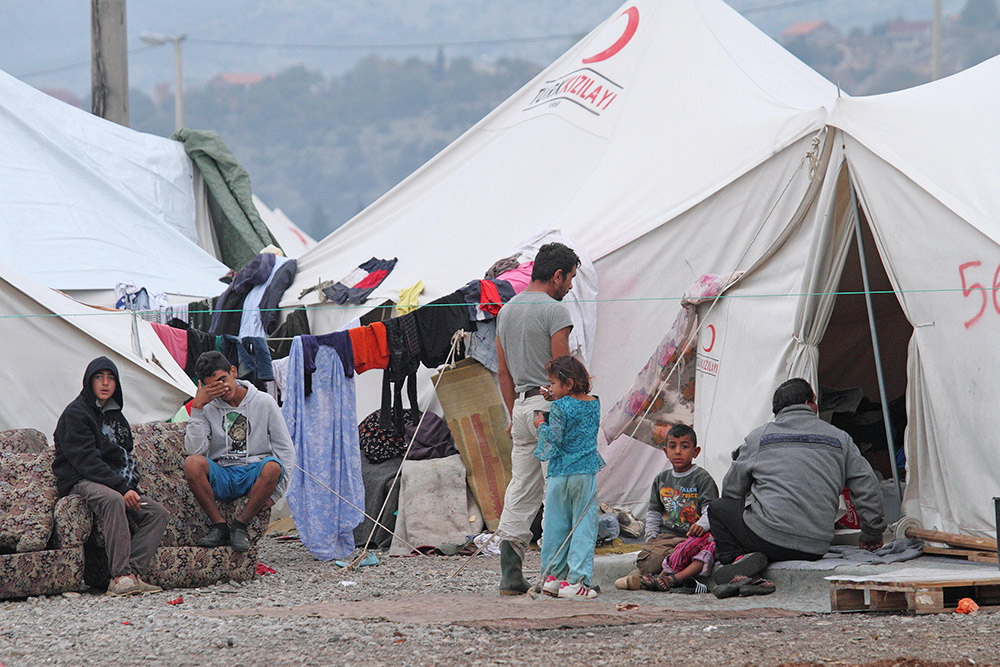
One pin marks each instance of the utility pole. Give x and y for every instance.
(936, 43)
(108, 61)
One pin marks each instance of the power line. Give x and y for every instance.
(404, 45)
(780, 5)
(84, 63)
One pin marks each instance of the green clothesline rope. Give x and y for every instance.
(965, 291)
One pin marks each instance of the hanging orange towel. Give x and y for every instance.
(371, 349)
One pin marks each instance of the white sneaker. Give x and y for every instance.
(579, 591)
(551, 586)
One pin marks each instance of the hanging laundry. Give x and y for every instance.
(407, 301)
(324, 432)
(403, 339)
(250, 355)
(229, 308)
(338, 340)
(370, 347)
(296, 324)
(175, 340)
(262, 299)
(520, 277)
(503, 265)
(200, 313)
(437, 322)
(483, 345)
(357, 285)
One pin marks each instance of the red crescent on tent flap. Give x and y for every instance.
(708, 348)
(630, 28)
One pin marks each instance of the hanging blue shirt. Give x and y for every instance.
(568, 441)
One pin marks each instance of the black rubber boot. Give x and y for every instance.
(512, 581)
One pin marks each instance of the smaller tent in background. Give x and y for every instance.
(86, 203)
(48, 340)
(292, 240)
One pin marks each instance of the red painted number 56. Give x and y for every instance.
(970, 288)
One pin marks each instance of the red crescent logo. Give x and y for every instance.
(708, 348)
(630, 28)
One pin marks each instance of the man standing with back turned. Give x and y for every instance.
(532, 328)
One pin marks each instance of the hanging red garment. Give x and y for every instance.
(370, 346)
(489, 297)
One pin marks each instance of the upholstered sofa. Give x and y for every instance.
(42, 536)
(51, 545)
(178, 563)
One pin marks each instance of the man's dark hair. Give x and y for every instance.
(210, 362)
(791, 392)
(550, 258)
(681, 430)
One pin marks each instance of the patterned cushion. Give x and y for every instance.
(192, 567)
(23, 440)
(27, 499)
(73, 522)
(41, 573)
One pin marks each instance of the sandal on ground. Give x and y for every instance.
(731, 589)
(757, 586)
(658, 582)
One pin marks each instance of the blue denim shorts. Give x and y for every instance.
(232, 482)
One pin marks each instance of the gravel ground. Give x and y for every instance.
(92, 629)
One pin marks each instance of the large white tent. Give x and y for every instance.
(86, 203)
(925, 165)
(668, 143)
(50, 338)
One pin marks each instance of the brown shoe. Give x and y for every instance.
(147, 588)
(631, 582)
(124, 585)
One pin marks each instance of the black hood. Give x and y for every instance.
(93, 368)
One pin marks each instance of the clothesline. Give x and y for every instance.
(366, 307)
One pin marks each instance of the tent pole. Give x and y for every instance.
(875, 348)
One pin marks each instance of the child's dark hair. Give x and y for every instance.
(210, 362)
(681, 430)
(569, 370)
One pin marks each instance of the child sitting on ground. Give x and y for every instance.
(677, 500)
(692, 557)
(568, 441)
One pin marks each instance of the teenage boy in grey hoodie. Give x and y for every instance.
(780, 497)
(238, 445)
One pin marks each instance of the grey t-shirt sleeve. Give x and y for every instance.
(559, 318)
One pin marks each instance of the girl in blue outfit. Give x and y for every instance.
(568, 441)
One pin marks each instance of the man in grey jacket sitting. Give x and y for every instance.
(780, 497)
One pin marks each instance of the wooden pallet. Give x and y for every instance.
(916, 590)
(967, 554)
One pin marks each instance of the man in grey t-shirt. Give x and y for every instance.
(532, 329)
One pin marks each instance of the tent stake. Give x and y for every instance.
(875, 347)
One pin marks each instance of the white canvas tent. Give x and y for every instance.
(925, 163)
(50, 338)
(670, 142)
(86, 203)
(293, 241)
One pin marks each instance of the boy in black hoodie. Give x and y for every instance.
(93, 459)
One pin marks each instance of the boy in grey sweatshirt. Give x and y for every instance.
(237, 445)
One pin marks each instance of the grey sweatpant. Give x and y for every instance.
(128, 553)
